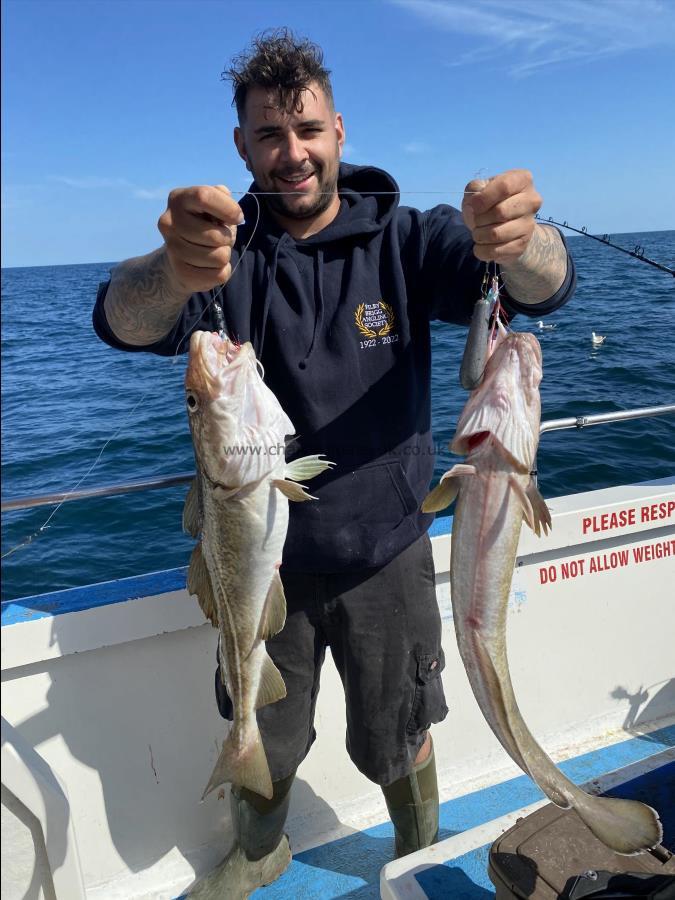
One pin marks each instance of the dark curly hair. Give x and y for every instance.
(278, 60)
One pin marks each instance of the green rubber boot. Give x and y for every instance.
(260, 853)
(412, 802)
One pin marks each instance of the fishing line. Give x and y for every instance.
(351, 193)
(215, 294)
(65, 496)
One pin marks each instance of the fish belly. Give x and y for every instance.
(243, 542)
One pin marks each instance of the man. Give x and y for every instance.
(335, 285)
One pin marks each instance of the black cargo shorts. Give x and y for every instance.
(383, 628)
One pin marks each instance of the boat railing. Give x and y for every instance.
(166, 481)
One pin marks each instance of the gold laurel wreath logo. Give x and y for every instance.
(389, 313)
(358, 318)
(368, 332)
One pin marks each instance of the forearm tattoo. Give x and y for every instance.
(540, 271)
(142, 303)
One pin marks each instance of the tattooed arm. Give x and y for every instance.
(147, 293)
(540, 271)
(143, 300)
(500, 215)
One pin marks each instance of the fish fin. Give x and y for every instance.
(223, 493)
(542, 514)
(446, 490)
(440, 497)
(192, 514)
(292, 491)
(274, 612)
(245, 767)
(626, 826)
(307, 467)
(272, 687)
(199, 584)
(521, 494)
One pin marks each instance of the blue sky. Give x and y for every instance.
(108, 104)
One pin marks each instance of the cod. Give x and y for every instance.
(498, 432)
(238, 508)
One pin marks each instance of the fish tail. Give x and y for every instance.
(626, 826)
(244, 766)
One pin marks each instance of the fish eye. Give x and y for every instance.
(191, 401)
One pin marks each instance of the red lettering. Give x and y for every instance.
(626, 517)
(547, 575)
(607, 521)
(618, 558)
(658, 550)
(572, 569)
(656, 511)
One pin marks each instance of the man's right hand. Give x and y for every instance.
(199, 228)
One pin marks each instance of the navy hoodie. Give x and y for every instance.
(340, 321)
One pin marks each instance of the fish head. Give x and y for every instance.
(238, 426)
(506, 405)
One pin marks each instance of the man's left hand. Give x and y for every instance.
(501, 215)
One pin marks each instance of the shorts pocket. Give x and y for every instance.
(428, 704)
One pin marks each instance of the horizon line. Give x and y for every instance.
(116, 262)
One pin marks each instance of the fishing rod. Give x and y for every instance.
(637, 252)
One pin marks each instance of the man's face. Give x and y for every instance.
(293, 156)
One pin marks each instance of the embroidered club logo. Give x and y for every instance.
(374, 320)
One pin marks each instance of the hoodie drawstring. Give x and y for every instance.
(319, 306)
(318, 302)
(271, 278)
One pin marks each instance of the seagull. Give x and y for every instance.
(544, 327)
(597, 339)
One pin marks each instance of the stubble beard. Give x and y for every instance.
(319, 200)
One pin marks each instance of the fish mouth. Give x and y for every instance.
(506, 406)
(210, 356)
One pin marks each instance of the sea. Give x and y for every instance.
(65, 395)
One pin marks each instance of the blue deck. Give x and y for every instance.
(350, 867)
(465, 877)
